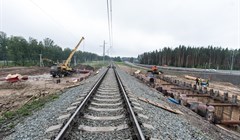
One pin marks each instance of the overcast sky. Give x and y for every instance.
(138, 25)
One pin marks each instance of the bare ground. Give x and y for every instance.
(193, 118)
(40, 83)
(216, 85)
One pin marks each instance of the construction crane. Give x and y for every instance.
(64, 68)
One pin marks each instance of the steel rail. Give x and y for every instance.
(62, 134)
(136, 127)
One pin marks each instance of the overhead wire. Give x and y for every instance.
(111, 23)
(1, 26)
(56, 22)
(110, 29)
(238, 24)
(83, 45)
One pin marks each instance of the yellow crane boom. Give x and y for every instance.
(66, 64)
(65, 69)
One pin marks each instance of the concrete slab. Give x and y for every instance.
(142, 116)
(105, 109)
(107, 100)
(76, 103)
(106, 104)
(108, 96)
(138, 108)
(80, 98)
(54, 127)
(104, 117)
(71, 108)
(103, 129)
(149, 126)
(63, 116)
(134, 99)
(136, 103)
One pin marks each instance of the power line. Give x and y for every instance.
(111, 23)
(1, 16)
(50, 17)
(109, 12)
(238, 24)
(83, 45)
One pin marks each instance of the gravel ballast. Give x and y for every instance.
(188, 126)
(108, 128)
(34, 127)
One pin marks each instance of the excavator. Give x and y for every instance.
(64, 69)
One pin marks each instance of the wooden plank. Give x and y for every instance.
(222, 104)
(167, 84)
(190, 77)
(180, 88)
(229, 131)
(229, 122)
(137, 72)
(167, 108)
(198, 95)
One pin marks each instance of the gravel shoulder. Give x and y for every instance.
(34, 127)
(172, 126)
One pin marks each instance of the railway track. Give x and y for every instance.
(104, 113)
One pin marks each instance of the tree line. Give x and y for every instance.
(18, 51)
(193, 57)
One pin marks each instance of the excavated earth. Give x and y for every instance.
(39, 83)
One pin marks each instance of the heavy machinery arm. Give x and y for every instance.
(66, 64)
(65, 69)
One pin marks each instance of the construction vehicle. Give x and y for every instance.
(154, 70)
(47, 62)
(64, 69)
(151, 74)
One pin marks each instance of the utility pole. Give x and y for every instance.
(210, 58)
(75, 62)
(103, 50)
(108, 51)
(6, 55)
(187, 61)
(41, 61)
(232, 61)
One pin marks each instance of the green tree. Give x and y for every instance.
(198, 57)
(3, 48)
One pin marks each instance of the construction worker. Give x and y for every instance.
(200, 81)
(154, 68)
(197, 81)
(207, 82)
